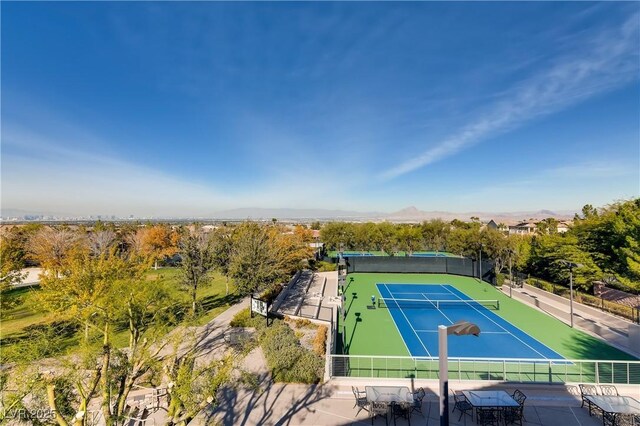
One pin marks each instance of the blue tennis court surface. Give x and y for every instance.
(418, 325)
(352, 254)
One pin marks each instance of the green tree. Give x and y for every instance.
(338, 234)
(12, 254)
(435, 234)
(409, 238)
(387, 234)
(254, 264)
(103, 293)
(222, 250)
(196, 262)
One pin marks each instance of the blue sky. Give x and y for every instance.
(179, 109)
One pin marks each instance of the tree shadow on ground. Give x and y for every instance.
(238, 407)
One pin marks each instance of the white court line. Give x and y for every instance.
(484, 332)
(408, 322)
(394, 320)
(491, 319)
(443, 314)
(415, 292)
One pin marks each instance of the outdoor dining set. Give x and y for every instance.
(390, 402)
(487, 407)
(615, 410)
(491, 407)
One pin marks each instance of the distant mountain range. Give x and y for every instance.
(412, 214)
(409, 214)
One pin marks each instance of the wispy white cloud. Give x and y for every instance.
(41, 173)
(608, 60)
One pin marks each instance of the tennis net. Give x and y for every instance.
(390, 302)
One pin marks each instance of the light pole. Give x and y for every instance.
(480, 262)
(510, 275)
(571, 265)
(461, 328)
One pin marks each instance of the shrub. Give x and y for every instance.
(287, 359)
(323, 266)
(304, 323)
(319, 342)
(243, 319)
(270, 294)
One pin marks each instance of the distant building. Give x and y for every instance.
(492, 224)
(564, 227)
(523, 228)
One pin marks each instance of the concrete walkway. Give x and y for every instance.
(614, 330)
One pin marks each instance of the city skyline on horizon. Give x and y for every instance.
(184, 110)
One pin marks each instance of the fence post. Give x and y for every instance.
(504, 370)
(550, 374)
(597, 374)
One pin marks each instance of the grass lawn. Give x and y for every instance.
(376, 332)
(23, 317)
(21, 311)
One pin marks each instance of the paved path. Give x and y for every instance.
(600, 324)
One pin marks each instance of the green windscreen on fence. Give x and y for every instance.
(420, 265)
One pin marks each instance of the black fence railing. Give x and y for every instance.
(421, 265)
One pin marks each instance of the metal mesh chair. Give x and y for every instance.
(361, 400)
(418, 396)
(513, 415)
(488, 416)
(462, 404)
(401, 411)
(608, 390)
(379, 409)
(585, 391)
(519, 397)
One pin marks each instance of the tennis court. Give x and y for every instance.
(418, 309)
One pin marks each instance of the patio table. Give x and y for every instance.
(490, 399)
(389, 394)
(614, 405)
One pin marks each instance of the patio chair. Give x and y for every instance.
(462, 404)
(487, 416)
(519, 397)
(513, 415)
(401, 411)
(573, 390)
(587, 390)
(609, 419)
(379, 409)
(608, 390)
(361, 400)
(418, 396)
